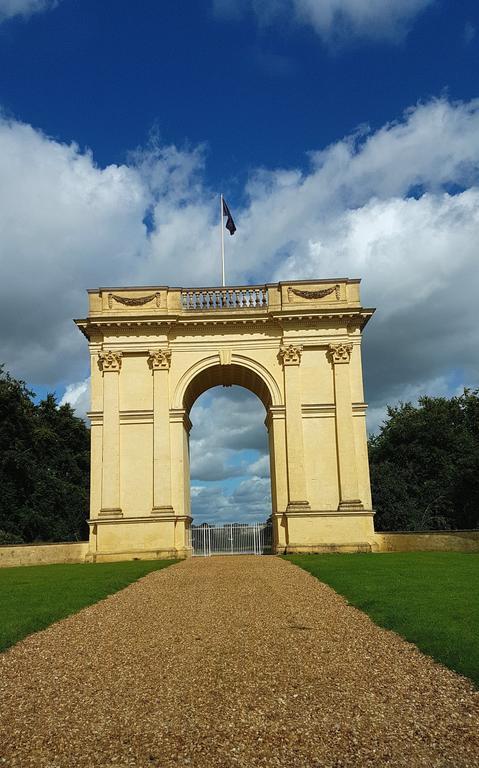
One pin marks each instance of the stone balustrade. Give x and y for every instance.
(224, 298)
(266, 299)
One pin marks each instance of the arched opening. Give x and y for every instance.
(229, 448)
(227, 375)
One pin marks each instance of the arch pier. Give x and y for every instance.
(155, 350)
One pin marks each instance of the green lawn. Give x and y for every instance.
(429, 598)
(32, 597)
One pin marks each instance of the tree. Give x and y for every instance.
(425, 465)
(44, 467)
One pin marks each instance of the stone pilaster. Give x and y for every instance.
(275, 424)
(110, 364)
(340, 355)
(290, 357)
(159, 362)
(179, 426)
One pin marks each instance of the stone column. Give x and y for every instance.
(159, 361)
(110, 364)
(290, 356)
(340, 355)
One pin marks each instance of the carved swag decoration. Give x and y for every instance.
(133, 302)
(109, 361)
(315, 294)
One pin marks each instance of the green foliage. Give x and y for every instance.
(33, 597)
(44, 468)
(425, 465)
(429, 598)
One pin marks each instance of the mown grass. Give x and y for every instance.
(33, 597)
(429, 598)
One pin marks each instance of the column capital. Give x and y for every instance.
(340, 353)
(159, 359)
(290, 354)
(109, 360)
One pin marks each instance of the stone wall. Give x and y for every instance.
(43, 554)
(428, 541)
(424, 541)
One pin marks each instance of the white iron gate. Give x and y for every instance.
(231, 539)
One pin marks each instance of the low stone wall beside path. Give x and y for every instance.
(406, 541)
(428, 541)
(43, 554)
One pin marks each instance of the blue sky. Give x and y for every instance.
(344, 134)
(105, 74)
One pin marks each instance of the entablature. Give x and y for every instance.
(312, 303)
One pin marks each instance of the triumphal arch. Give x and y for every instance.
(154, 350)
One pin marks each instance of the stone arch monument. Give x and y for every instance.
(154, 350)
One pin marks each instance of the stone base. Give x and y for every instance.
(298, 506)
(322, 530)
(140, 554)
(162, 511)
(353, 505)
(138, 538)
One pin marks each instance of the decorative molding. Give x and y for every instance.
(136, 417)
(350, 505)
(164, 511)
(109, 360)
(355, 325)
(336, 289)
(317, 410)
(110, 512)
(290, 354)
(159, 359)
(340, 353)
(129, 302)
(134, 521)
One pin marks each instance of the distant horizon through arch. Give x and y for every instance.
(228, 439)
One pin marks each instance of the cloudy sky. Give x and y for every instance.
(343, 133)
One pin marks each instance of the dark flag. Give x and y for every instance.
(230, 225)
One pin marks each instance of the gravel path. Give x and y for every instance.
(228, 662)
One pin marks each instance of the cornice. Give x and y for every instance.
(135, 520)
(240, 318)
(360, 314)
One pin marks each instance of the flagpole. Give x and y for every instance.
(222, 242)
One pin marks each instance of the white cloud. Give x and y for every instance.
(213, 465)
(260, 467)
(78, 396)
(362, 18)
(25, 8)
(334, 20)
(249, 502)
(418, 261)
(64, 222)
(67, 224)
(227, 434)
(235, 418)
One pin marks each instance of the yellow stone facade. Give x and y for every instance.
(154, 350)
